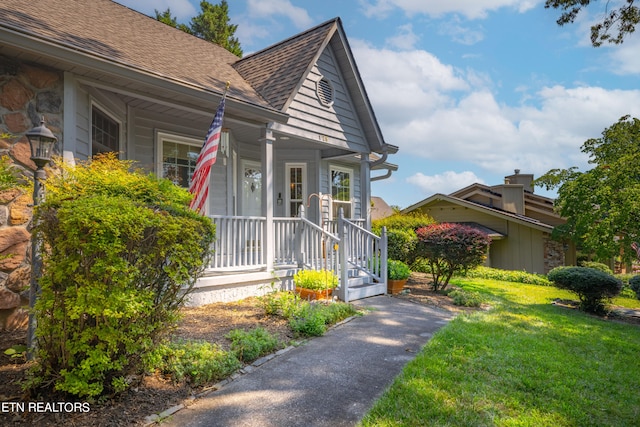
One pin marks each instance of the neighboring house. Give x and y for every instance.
(519, 222)
(298, 131)
(380, 209)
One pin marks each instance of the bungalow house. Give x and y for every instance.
(300, 143)
(518, 221)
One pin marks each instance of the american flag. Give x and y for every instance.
(199, 186)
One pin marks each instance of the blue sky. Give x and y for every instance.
(468, 89)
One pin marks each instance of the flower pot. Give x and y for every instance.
(310, 294)
(395, 286)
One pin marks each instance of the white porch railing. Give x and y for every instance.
(363, 252)
(316, 248)
(238, 244)
(354, 253)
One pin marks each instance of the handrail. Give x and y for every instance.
(362, 251)
(317, 248)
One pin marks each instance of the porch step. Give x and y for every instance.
(365, 290)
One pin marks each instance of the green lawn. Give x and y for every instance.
(524, 362)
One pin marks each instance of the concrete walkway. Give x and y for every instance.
(332, 380)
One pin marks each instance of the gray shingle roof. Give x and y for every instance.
(277, 71)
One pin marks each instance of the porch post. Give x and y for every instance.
(266, 142)
(365, 190)
(342, 253)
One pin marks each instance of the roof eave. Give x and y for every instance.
(78, 58)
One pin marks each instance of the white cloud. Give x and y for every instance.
(446, 182)
(437, 112)
(472, 9)
(625, 56)
(271, 8)
(459, 33)
(405, 39)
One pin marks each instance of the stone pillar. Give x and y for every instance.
(27, 92)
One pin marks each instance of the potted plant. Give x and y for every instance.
(315, 284)
(397, 274)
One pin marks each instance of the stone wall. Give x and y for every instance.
(27, 93)
(553, 254)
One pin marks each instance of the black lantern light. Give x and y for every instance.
(42, 142)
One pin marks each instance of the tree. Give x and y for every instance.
(602, 205)
(212, 24)
(166, 18)
(623, 18)
(450, 248)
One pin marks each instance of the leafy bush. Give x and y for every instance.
(316, 280)
(634, 284)
(283, 304)
(121, 252)
(401, 236)
(8, 175)
(592, 286)
(249, 345)
(397, 270)
(466, 298)
(309, 321)
(508, 276)
(598, 266)
(450, 248)
(197, 362)
(401, 244)
(400, 221)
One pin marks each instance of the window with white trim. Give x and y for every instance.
(296, 187)
(105, 132)
(178, 157)
(341, 191)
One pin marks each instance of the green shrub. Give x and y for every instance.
(634, 284)
(592, 286)
(281, 303)
(401, 236)
(397, 270)
(316, 280)
(401, 244)
(196, 362)
(466, 298)
(450, 248)
(508, 276)
(309, 321)
(249, 345)
(598, 266)
(122, 251)
(400, 221)
(312, 319)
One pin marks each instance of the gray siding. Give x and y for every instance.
(337, 121)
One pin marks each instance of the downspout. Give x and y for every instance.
(385, 176)
(381, 160)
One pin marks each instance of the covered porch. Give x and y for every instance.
(258, 254)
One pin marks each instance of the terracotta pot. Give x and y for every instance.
(395, 286)
(310, 294)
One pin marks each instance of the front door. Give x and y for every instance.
(251, 188)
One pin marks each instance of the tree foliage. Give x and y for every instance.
(211, 24)
(121, 251)
(602, 205)
(450, 248)
(621, 19)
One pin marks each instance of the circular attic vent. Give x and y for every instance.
(324, 88)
